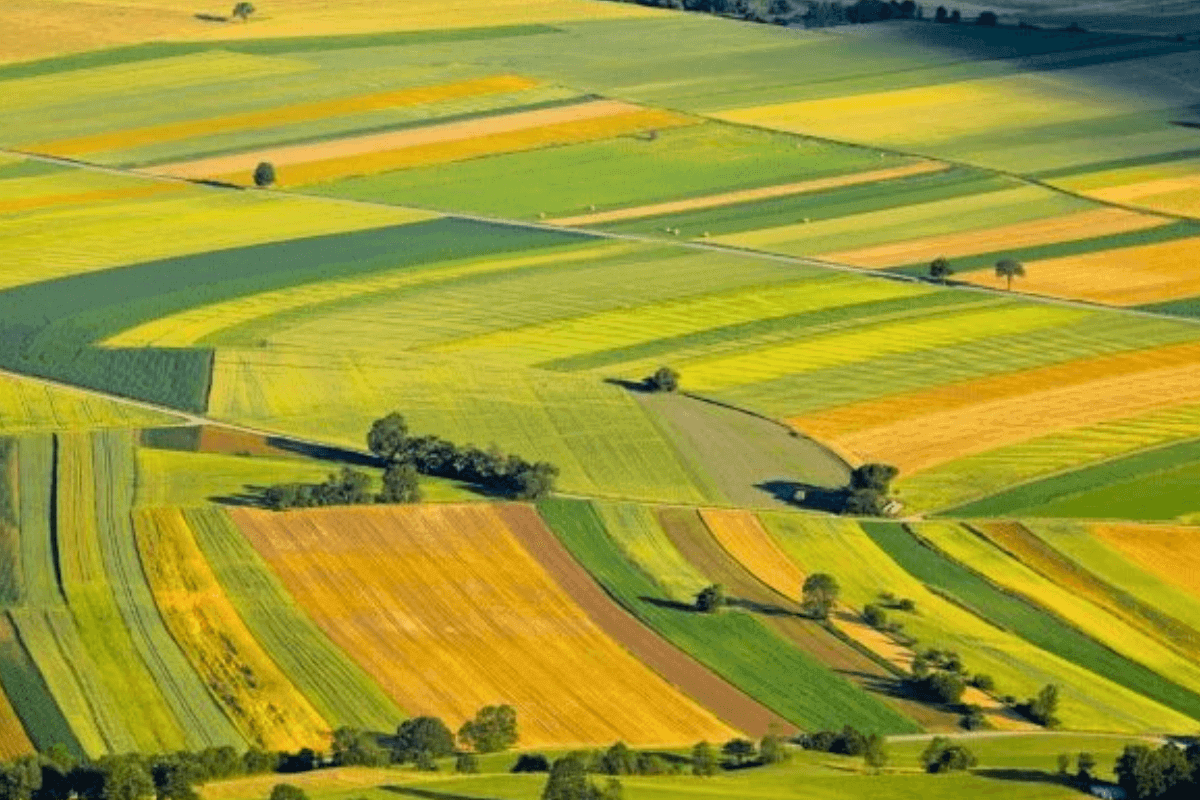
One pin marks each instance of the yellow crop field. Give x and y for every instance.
(944, 112)
(743, 536)
(749, 195)
(40, 28)
(436, 144)
(924, 441)
(839, 421)
(114, 234)
(450, 613)
(1179, 194)
(904, 336)
(175, 73)
(297, 112)
(622, 327)
(318, 780)
(82, 198)
(1081, 225)
(1170, 552)
(1126, 276)
(260, 699)
(27, 405)
(13, 740)
(198, 325)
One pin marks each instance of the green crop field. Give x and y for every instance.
(734, 644)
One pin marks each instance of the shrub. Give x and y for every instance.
(422, 735)
(711, 598)
(704, 759)
(664, 379)
(819, 594)
(467, 764)
(907, 605)
(264, 174)
(531, 762)
(286, 791)
(984, 682)
(874, 616)
(942, 755)
(739, 750)
(493, 729)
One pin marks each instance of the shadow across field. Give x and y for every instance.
(805, 495)
(1027, 776)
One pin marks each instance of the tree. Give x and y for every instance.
(493, 729)
(1084, 764)
(1145, 773)
(388, 437)
(704, 760)
(941, 14)
(1064, 764)
(126, 777)
(258, 762)
(711, 599)
(21, 778)
(955, 17)
(819, 594)
(942, 755)
(874, 615)
(986, 18)
(984, 682)
(771, 750)
(1008, 269)
(1042, 709)
(875, 755)
(874, 476)
(466, 764)
(664, 379)
(740, 750)
(264, 174)
(531, 762)
(400, 485)
(242, 11)
(940, 268)
(286, 791)
(568, 779)
(352, 747)
(422, 734)
(619, 760)
(425, 762)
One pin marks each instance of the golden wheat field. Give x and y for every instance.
(1126, 276)
(1069, 227)
(934, 438)
(449, 614)
(837, 422)
(295, 113)
(268, 709)
(744, 537)
(1171, 552)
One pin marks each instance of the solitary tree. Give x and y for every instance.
(664, 379)
(704, 760)
(242, 10)
(940, 269)
(876, 755)
(740, 750)
(264, 174)
(493, 729)
(1008, 269)
(820, 593)
(710, 598)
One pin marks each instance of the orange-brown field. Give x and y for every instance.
(1081, 225)
(13, 740)
(298, 112)
(430, 144)
(1171, 552)
(749, 195)
(255, 694)
(449, 613)
(836, 423)
(743, 536)
(1126, 276)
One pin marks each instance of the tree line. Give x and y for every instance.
(404, 458)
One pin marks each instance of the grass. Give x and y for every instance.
(331, 680)
(1099, 478)
(1027, 620)
(677, 163)
(457, 615)
(863, 570)
(114, 468)
(90, 598)
(734, 645)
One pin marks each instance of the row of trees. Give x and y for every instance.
(1166, 773)
(1005, 269)
(348, 487)
(819, 595)
(505, 474)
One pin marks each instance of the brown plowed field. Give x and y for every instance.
(750, 195)
(448, 612)
(692, 678)
(687, 532)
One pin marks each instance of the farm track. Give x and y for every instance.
(681, 670)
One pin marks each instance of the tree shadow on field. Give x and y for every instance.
(641, 387)
(765, 609)
(1026, 776)
(673, 605)
(805, 495)
(411, 791)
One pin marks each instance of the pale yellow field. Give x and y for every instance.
(264, 704)
(298, 112)
(118, 233)
(1171, 552)
(747, 195)
(27, 406)
(1176, 194)
(40, 28)
(1128, 276)
(743, 536)
(927, 440)
(197, 324)
(449, 613)
(837, 422)
(1082, 225)
(1126, 176)
(432, 144)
